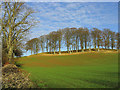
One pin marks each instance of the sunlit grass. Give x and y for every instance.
(96, 70)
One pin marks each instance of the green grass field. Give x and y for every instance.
(90, 70)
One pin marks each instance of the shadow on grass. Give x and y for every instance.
(18, 64)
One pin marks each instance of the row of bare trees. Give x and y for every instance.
(74, 39)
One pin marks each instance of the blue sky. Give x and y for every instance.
(58, 15)
(54, 16)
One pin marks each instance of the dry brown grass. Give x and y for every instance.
(74, 53)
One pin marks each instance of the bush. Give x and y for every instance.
(13, 77)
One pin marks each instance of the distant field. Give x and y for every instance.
(88, 70)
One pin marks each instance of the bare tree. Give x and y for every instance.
(102, 40)
(29, 46)
(106, 33)
(36, 45)
(81, 37)
(118, 41)
(42, 42)
(67, 38)
(99, 38)
(94, 37)
(50, 42)
(47, 42)
(33, 45)
(72, 36)
(16, 21)
(75, 38)
(59, 36)
(112, 41)
(54, 40)
(89, 41)
(86, 35)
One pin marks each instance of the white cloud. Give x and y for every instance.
(60, 15)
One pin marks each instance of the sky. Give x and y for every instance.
(62, 0)
(59, 15)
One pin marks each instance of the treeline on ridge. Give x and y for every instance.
(74, 39)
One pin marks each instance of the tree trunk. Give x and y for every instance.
(67, 48)
(54, 50)
(98, 49)
(95, 46)
(47, 49)
(10, 52)
(76, 49)
(112, 47)
(42, 49)
(31, 51)
(72, 48)
(50, 48)
(47, 46)
(94, 43)
(82, 50)
(59, 46)
(89, 47)
(85, 45)
(76, 45)
(54, 47)
(50, 51)
(9, 45)
(81, 44)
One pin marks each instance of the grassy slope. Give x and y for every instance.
(95, 70)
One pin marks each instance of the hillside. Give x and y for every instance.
(76, 53)
(88, 70)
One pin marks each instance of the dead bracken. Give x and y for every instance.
(13, 77)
